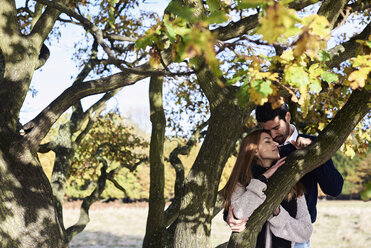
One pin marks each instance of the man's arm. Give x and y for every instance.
(328, 177)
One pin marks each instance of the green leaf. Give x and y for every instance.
(262, 86)
(182, 11)
(214, 5)
(315, 85)
(217, 17)
(245, 4)
(243, 94)
(170, 31)
(323, 56)
(329, 77)
(297, 76)
(143, 42)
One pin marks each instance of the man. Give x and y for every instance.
(277, 122)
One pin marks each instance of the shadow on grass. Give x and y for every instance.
(91, 239)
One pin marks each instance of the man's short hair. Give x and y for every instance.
(265, 112)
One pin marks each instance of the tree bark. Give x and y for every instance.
(201, 185)
(155, 220)
(27, 210)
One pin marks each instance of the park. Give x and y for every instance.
(206, 66)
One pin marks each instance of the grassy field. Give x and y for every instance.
(340, 224)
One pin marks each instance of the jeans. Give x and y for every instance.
(302, 245)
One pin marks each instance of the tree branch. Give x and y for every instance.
(47, 147)
(241, 27)
(87, 202)
(117, 185)
(331, 10)
(37, 128)
(155, 219)
(94, 111)
(172, 211)
(43, 56)
(44, 24)
(77, 117)
(119, 37)
(348, 49)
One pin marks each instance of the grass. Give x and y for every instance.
(340, 224)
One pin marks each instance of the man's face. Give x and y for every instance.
(278, 128)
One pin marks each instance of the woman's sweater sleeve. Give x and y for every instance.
(246, 200)
(297, 229)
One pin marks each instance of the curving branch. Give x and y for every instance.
(172, 211)
(348, 49)
(93, 113)
(87, 202)
(37, 128)
(243, 26)
(43, 56)
(44, 24)
(303, 161)
(118, 37)
(117, 185)
(112, 173)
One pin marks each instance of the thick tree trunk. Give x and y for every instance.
(27, 210)
(155, 220)
(201, 185)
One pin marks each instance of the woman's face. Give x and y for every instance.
(267, 148)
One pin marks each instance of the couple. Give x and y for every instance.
(261, 153)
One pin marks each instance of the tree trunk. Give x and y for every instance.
(201, 185)
(28, 215)
(155, 220)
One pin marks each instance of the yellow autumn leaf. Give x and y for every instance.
(256, 97)
(286, 56)
(362, 60)
(358, 78)
(278, 21)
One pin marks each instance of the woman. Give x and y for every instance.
(290, 223)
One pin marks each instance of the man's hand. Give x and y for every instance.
(301, 142)
(235, 224)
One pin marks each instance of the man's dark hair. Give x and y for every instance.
(265, 112)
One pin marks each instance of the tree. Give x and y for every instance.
(197, 33)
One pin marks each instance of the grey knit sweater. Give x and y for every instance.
(297, 230)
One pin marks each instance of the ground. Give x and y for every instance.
(340, 224)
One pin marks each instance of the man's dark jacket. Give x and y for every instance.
(326, 175)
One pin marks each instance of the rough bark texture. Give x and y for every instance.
(303, 161)
(27, 211)
(331, 9)
(155, 220)
(201, 185)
